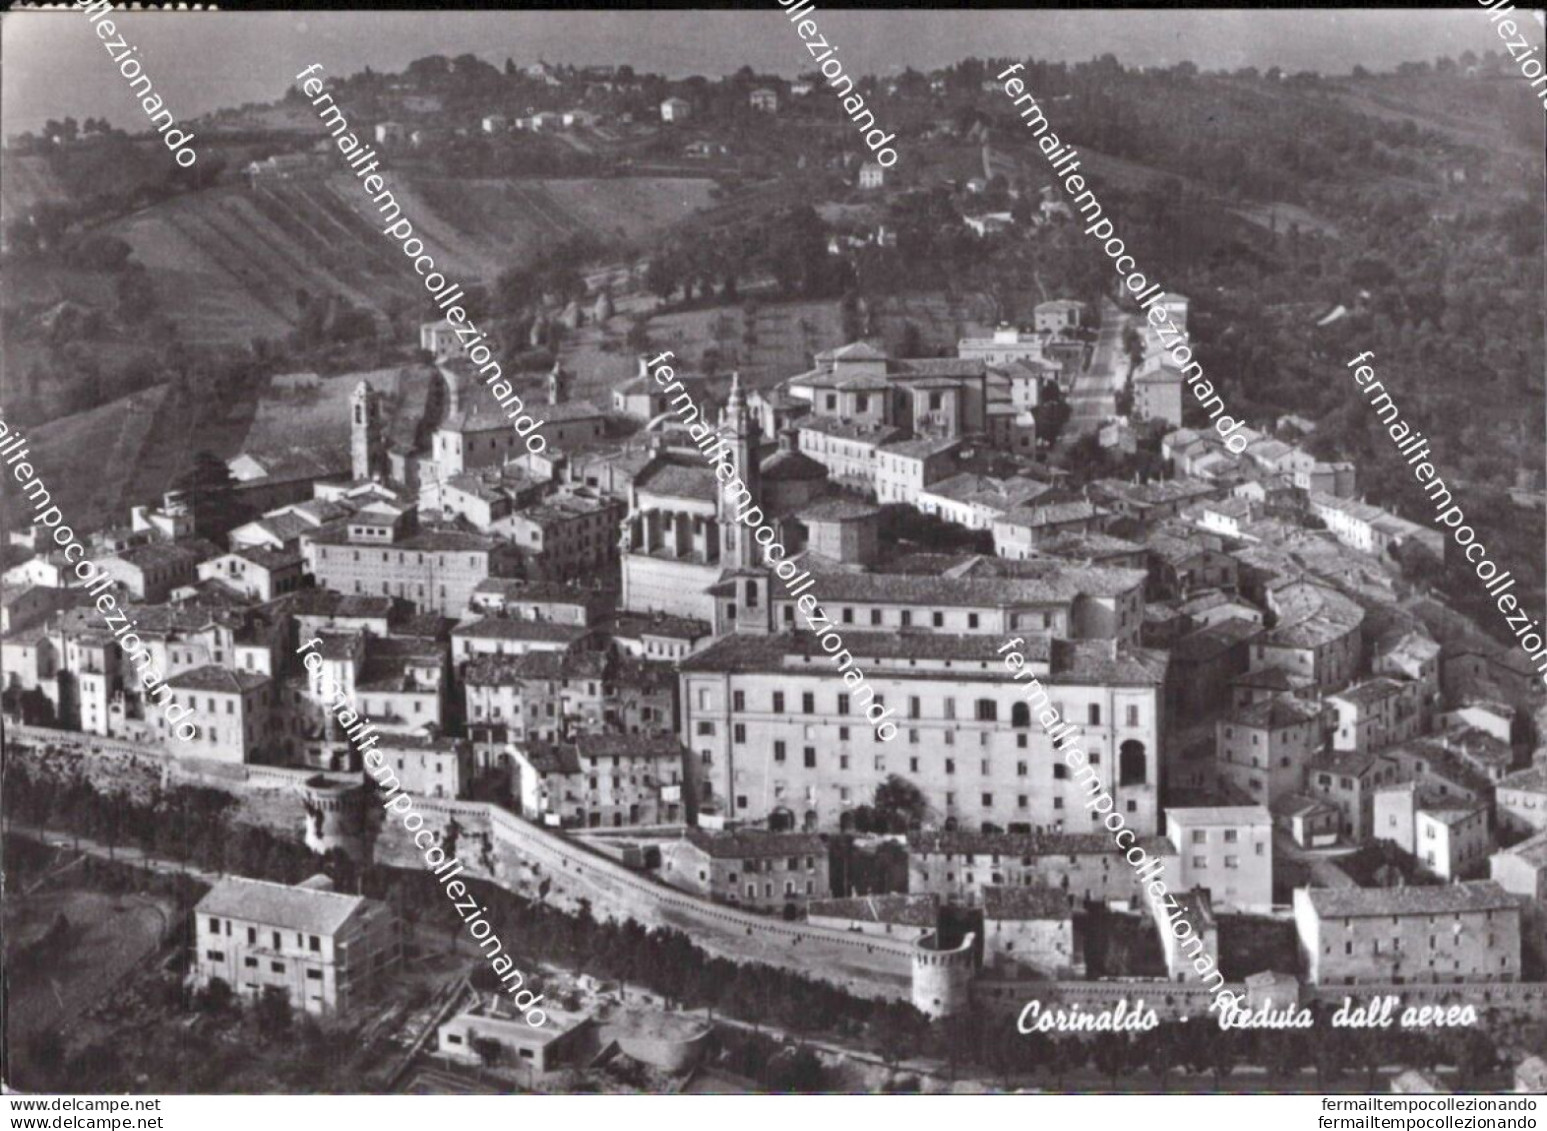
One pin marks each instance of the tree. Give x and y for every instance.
(900, 804)
(272, 1012)
(210, 491)
(1112, 1054)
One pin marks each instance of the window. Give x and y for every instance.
(1060, 771)
(810, 753)
(1231, 836)
(1199, 837)
(252, 936)
(1232, 862)
(315, 944)
(779, 750)
(938, 620)
(1133, 714)
(875, 616)
(843, 761)
(987, 711)
(214, 925)
(738, 701)
(848, 615)
(778, 702)
(250, 963)
(913, 706)
(277, 967)
(972, 620)
(1199, 862)
(314, 975)
(215, 955)
(808, 702)
(843, 703)
(704, 726)
(1094, 713)
(907, 618)
(988, 801)
(950, 765)
(738, 733)
(950, 708)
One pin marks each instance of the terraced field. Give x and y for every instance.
(228, 263)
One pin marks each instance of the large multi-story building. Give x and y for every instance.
(1030, 930)
(1264, 748)
(1447, 835)
(777, 734)
(325, 951)
(1084, 867)
(1521, 798)
(382, 551)
(759, 870)
(1376, 713)
(1047, 598)
(1466, 932)
(568, 537)
(1318, 635)
(1348, 782)
(230, 712)
(543, 697)
(602, 781)
(1226, 850)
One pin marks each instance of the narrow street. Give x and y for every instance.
(1094, 398)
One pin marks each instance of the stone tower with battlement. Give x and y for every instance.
(942, 978)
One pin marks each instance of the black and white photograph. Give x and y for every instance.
(773, 550)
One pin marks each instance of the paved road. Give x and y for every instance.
(1094, 397)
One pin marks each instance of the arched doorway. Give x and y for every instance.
(1131, 763)
(781, 820)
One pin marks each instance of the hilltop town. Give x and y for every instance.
(609, 710)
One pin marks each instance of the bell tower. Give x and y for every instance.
(366, 455)
(737, 549)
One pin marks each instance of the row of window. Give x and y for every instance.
(984, 710)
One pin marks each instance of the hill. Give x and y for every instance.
(227, 263)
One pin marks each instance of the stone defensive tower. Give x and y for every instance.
(336, 818)
(942, 978)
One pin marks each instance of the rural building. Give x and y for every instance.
(325, 951)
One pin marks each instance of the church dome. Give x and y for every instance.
(786, 465)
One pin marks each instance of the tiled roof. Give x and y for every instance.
(1071, 661)
(681, 482)
(986, 490)
(1311, 615)
(154, 555)
(839, 510)
(918, 910)
(1275, 714)
(1444, 899)
(849, 430)
(306, 910)
(921, 447)
(510, 628)
(1053, 514)
(1370, 692)
(749, 845)
(1227, 816)
(791, 465)
(663, 746)
(213, 678)
(646, 624)
(1005, 902)
(504, 670)
(1024, 844)
(1047, 582)
(1533, 779)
